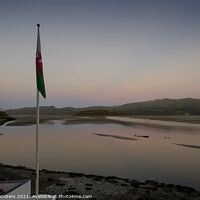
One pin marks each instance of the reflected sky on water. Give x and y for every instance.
(75, 148)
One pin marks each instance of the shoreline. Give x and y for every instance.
(129, 121)
(27, 120)
(100, 187)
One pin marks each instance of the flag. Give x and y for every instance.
(39, 67)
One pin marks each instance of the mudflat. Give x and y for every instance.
(148, 121)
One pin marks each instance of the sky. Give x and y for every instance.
(99, 52)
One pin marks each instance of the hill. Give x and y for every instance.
(4, 118)
(44, 110)
(162, 107)
(99, 113)
(186, 106)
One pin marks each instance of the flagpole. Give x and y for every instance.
(40, 89)
(37, 147)
(37, 133)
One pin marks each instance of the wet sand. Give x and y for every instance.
(28, 120)
(146, 121)
(195, 119)
(188, 145)
(96, 120)
(114, 136)
(100, 187)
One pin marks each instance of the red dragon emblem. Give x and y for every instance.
(39, 68)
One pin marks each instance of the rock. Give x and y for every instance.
(184, 189)
(2, 192)
(108, 188)
(60, 184)
(2, 179)
(152, 182)
(88, 188)
(49, 180)
(88, 184)
(71, 193)
(123, 184)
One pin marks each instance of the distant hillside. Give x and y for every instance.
(162, 107)
(4, 118)
(99, 113)
(187, 106)
(44, 110)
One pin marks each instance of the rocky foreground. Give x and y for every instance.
(99, 187)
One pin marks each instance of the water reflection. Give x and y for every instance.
(73, 148)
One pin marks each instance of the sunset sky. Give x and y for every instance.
(99, 52)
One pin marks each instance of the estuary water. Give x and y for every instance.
(168, 153)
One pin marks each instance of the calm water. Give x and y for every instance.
(74, 148)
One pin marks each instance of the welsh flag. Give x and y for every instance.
(39, 67)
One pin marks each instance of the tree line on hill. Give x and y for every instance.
(186, 106)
